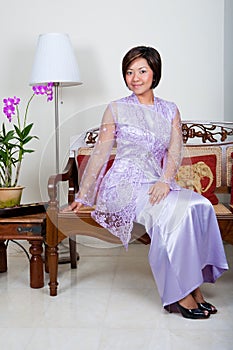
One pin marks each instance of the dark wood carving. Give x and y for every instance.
(91, 137)
(206, 132)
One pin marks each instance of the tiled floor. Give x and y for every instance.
(109, 303)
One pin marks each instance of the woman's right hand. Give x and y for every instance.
(74, 206)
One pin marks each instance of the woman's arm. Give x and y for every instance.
(171, 165)
(97, 163)
(174, 153)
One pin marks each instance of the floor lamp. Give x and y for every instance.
(55, 62)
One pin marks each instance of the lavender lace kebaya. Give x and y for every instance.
(144, 136)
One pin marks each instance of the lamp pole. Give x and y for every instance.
(56, 85)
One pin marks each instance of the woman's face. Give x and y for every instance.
(139, 76)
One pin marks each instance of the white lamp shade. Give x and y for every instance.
(55, 61)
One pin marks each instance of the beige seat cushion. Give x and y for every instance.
(220, 209)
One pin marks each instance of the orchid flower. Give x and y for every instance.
(12, 143)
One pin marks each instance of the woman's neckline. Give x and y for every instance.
(144, 104)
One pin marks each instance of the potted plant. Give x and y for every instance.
(13, 145)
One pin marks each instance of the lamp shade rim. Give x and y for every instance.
(55, 61)
(60, 83)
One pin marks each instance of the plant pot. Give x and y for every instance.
(10, 196)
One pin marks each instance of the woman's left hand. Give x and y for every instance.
(158, 192)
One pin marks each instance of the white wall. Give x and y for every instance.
(228, 61)
(188, 34)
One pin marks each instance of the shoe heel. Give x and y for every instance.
(171, 308)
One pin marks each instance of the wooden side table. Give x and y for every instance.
(32, 229)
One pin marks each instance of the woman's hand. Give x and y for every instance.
(74, 206)
(158, 192)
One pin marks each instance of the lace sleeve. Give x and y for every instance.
(97, 163)
(173, 157)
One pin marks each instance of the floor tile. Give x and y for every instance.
(110, 302)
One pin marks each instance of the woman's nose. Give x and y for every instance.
(135, 77)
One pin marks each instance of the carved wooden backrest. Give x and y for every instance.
(199, 138)
(206, 132)
(213, 132)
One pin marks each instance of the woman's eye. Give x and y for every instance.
(142, 71)
(129, 73)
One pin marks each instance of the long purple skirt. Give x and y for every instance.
(186, 245)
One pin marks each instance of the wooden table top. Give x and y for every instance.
(33, 218)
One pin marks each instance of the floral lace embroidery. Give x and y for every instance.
(148, 150)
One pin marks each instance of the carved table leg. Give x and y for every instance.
(36, 265)
(52, 253)
(3, 257)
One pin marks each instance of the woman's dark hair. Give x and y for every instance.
(153, 59)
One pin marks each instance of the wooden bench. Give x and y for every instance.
(206, 168)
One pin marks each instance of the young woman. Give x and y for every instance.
(186, 246)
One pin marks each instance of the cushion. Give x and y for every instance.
(232, 180)
(229, 165)
(198, 173)
(83, 156)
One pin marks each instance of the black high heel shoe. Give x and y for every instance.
(194, 314)
(207, 307)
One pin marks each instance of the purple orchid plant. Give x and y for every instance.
(12, 142)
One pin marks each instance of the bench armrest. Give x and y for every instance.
(69, 174)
